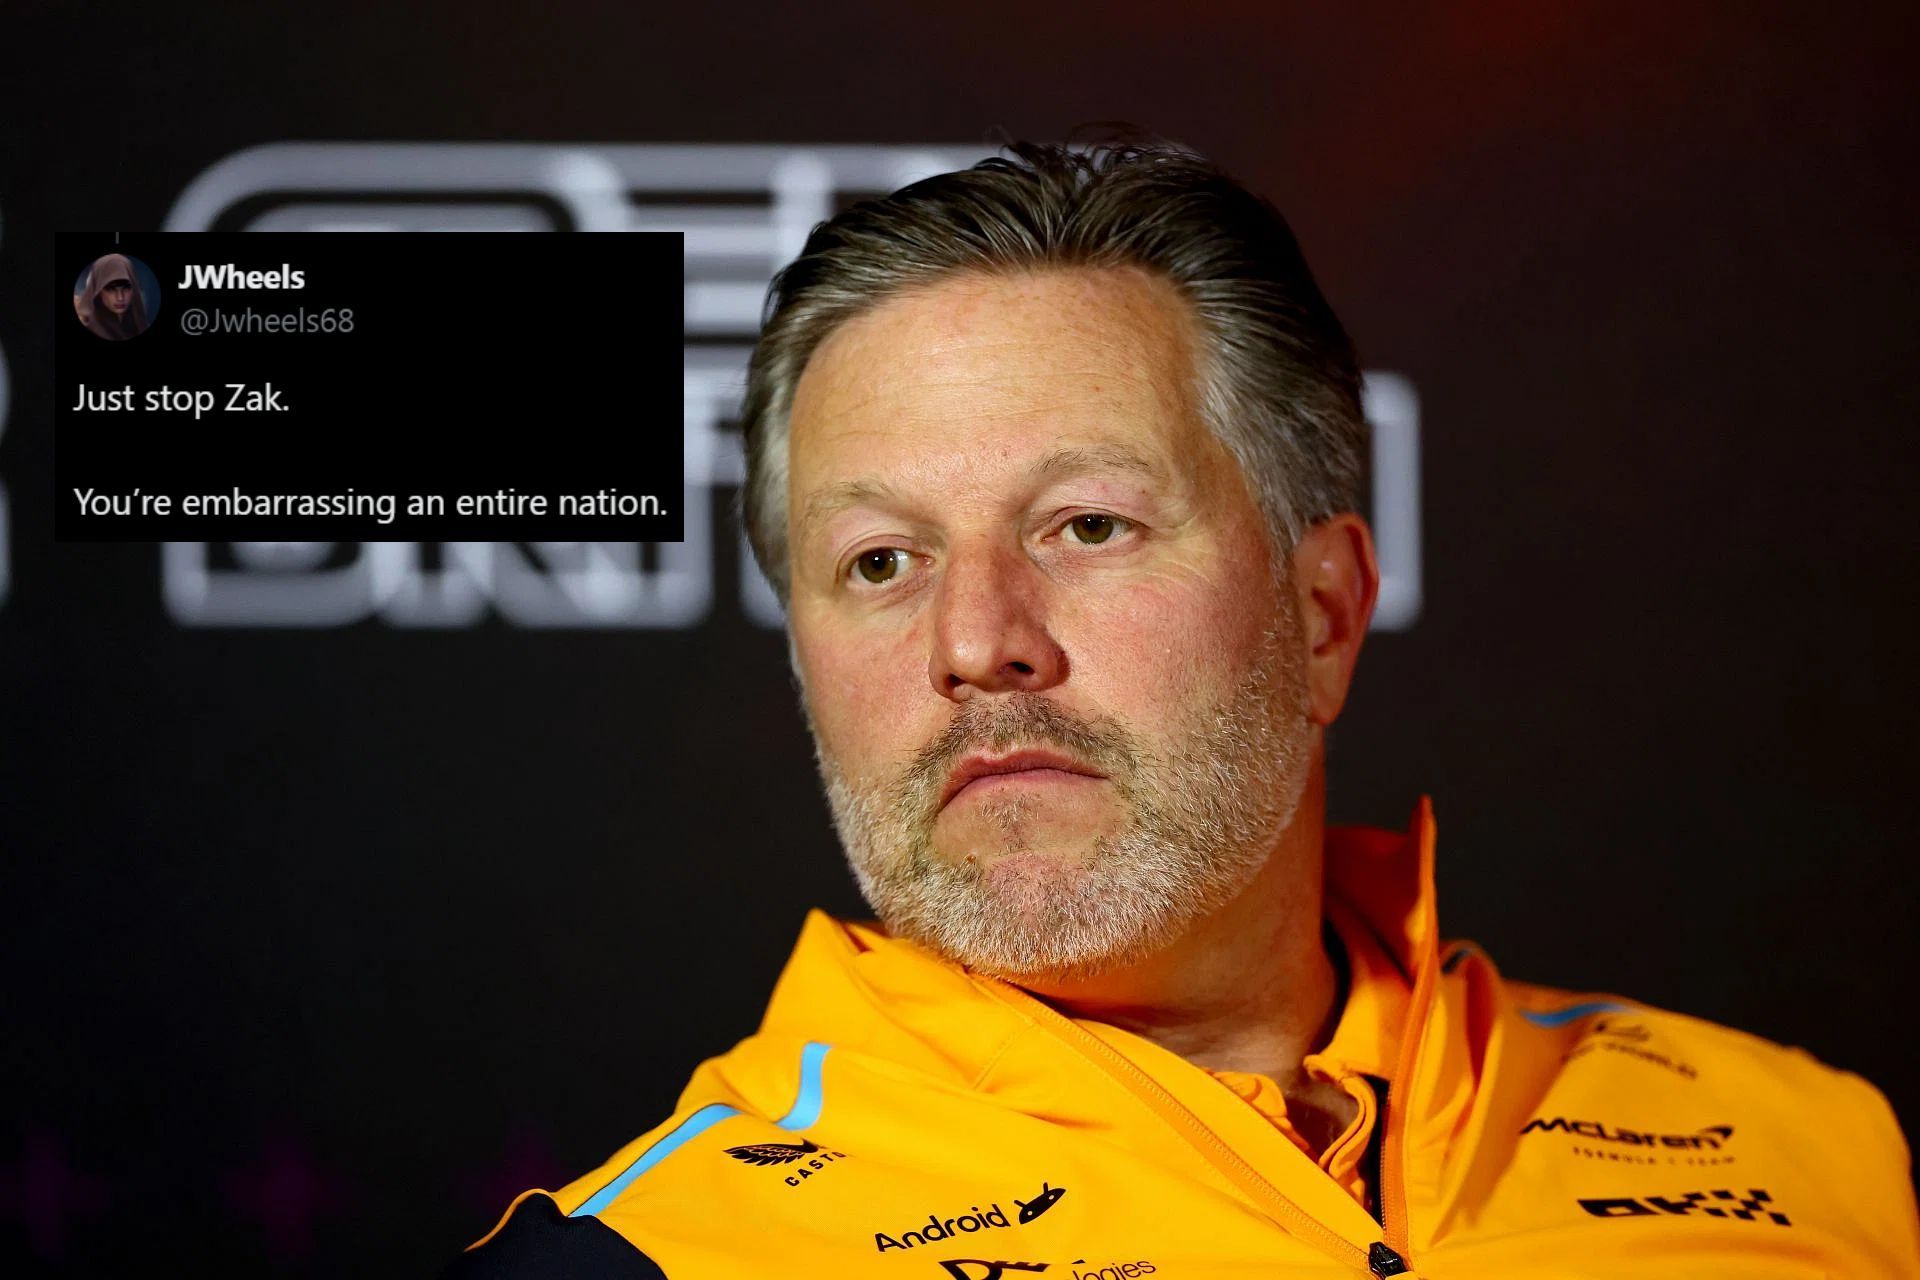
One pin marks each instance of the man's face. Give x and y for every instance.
(118, 296)
(1051, 662)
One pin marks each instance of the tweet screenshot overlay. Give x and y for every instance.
(368, 386)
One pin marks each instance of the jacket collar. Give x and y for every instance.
(1386, 879)
(850, 982)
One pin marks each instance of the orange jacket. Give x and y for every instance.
(897, 1116)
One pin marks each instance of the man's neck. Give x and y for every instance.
(1249, 988)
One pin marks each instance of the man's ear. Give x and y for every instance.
(1337, 580)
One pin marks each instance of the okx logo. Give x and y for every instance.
(1713, 1204)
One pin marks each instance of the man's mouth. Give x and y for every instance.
(1033, 766)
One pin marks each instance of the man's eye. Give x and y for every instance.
(1094, 528)
(881, 565)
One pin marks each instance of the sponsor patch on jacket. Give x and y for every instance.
(1713, 1137)
(1623, 1144)
(764, 1153)
(1752, 1207)
(801, 1159)
(978, 1219)
(981, 1269)
(1612, 1035)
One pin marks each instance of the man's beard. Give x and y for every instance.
(1201, 820)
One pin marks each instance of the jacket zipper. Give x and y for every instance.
(1383, 1261)
(1382, 1258)
(1169, 1110)
(1388, 1257)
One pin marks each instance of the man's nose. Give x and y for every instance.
(990, 631)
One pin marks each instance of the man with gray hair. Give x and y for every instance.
(1055, 464)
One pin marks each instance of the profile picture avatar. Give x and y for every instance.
(117, 297)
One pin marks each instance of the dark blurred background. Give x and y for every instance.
(350, 889)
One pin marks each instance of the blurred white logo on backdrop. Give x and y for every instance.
(745, 211)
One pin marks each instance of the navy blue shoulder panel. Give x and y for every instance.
(539, 1242)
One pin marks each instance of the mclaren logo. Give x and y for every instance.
(1711, 1138)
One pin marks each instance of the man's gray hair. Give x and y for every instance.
(1279, 383)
